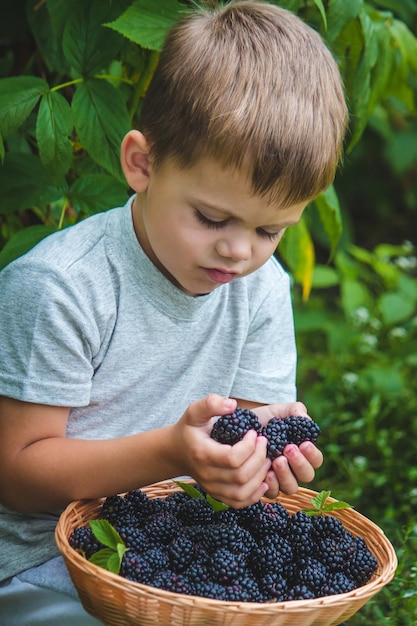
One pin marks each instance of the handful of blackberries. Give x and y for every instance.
(279, 431)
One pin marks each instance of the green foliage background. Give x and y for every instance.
(72, 77)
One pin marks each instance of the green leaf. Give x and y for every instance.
(92, 193)
(114, 562)
(361, 97)
(324, 276)
(105, 533)
(396, 307)
(24, 183)
(88, 46)
(339, 14)
(102, 558)
(22, 242)
(146, 23)
(216, 505)
(297, 249)
(18, 97)
(327, 204)
(48, 41)
(336, 506)
(320, 506)
(101, 120)
(53, 127)
(190, 490)
(320, 6)
(319, 500)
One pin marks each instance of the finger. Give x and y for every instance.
(287, 481)
(199, 413)
(299, 464)
(265, 413)
(311, 453)
(273, 485)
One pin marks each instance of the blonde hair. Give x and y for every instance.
(252, 86)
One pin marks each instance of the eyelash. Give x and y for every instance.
(217, 225)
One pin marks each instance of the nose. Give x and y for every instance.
(236, 247)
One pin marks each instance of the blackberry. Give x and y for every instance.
(231, 428)
(273, 586)
(267, 559)
(244, 589)
(300, 592)
(157, 557)
(174, 500)
(276, 432)
(247, 516)
(313, 574)
(362, 563)
(134, 538)
(195, 511)
(332, 554)
(338, 583)
(182, 552)
(171, 581)
(328, 526)
(226, 567)
(271, 519)
(144, 506)
(282, 431)
(210, 589)
(218, 536)
(162, 527)
(136, 568)
(301, 429)
(83, 540)
(118, 511)
(300, 529)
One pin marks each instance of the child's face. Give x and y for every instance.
(203, 227)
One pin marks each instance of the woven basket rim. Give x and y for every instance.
(76, 509)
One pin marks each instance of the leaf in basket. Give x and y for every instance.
(319, 500)
(190, 490)
(105, 533)
(320, 506)
(103, 557)
(216, 505)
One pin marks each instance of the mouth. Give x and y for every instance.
(220, 276)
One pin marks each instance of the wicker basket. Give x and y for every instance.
(117, 601)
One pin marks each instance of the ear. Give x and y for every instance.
(134, 157)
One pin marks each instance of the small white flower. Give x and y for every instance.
(398, 333)
(369, 340)
(406, 263)
(350, 380)
(360, 316)
(360, 461)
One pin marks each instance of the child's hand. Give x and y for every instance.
(235, 474)
(297, 464)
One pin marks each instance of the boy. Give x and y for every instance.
(172, 305)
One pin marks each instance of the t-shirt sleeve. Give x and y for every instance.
(47, 336)
(267, 369)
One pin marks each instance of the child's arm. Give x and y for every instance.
(41, 469)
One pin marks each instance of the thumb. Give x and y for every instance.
(201, 411)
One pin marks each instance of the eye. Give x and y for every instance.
(208, 222)
(267, 235)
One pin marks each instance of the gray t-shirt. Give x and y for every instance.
(87, 321)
